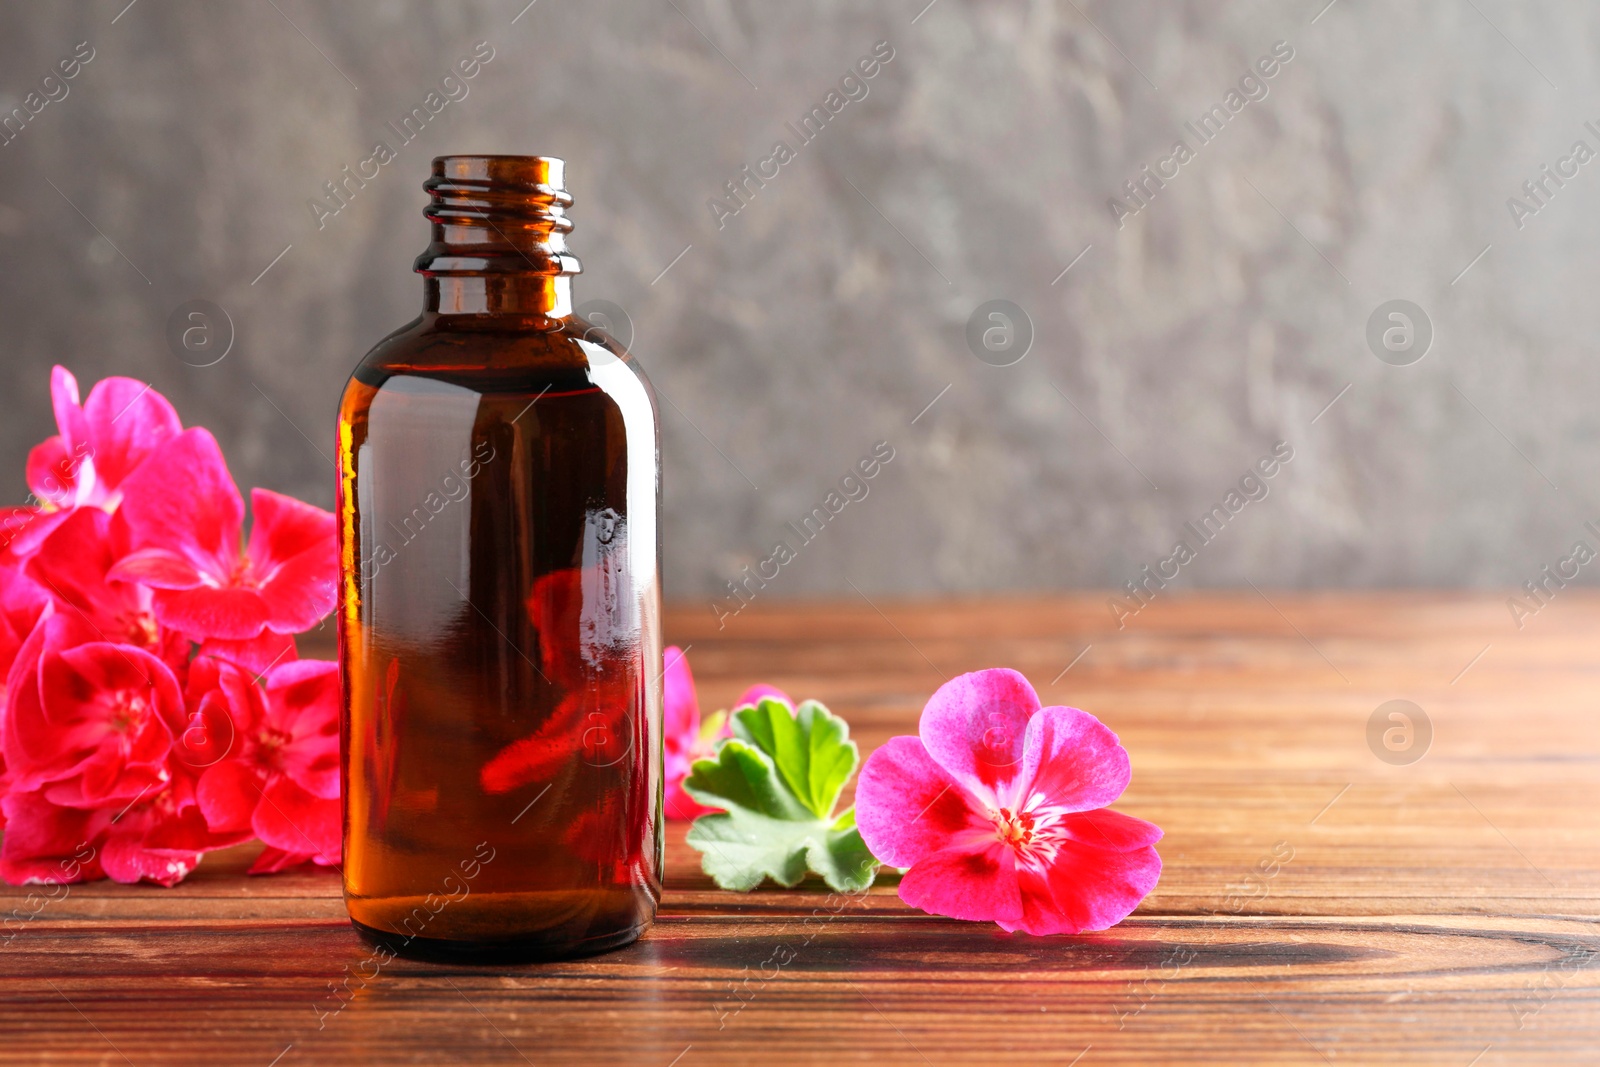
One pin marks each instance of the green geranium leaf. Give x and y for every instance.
(777, 780)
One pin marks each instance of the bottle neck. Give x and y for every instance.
(544, 296)
(499, 241)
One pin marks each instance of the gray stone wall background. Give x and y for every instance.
(832, 309)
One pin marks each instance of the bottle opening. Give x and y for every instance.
(498, 214)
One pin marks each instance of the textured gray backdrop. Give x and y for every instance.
(1222, 317)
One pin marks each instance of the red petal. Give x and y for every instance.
(204, 613)
(23, 529)
(256, 655)
(1111, 829)
(292, 819)
(285, 528)
(966, 883)
(1086, 888)
(159, 568)
(182, 499)
(55, 475)
(302, 590)
(45, 843)
(128, 860)
(303, 701)
(228, 794)
(74, 564)
(22, 603)
(272, 860)
(66, 407)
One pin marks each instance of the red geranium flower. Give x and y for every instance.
(184, 514)
(158, 837)
(72, 565)
(999, 810)
(22, 602)
(129, 556)
(88, 722)
(271, 758)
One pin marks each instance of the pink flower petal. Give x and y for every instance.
(294, 555)
(228, 793)
(45, 843)
(273, 860)
(303, 703)
(22, 529)
(205, 612)
(253, 655)
(1111, 829)
(182, 499)
(1074, 760)
(65, 404)
(54, 474)
(975, 726)
(127, 860)
(292, 819)
(125, 420)
(966, 882)
(1086, 888)
(907, 806)
(159, 568)
(680, 718)
(22, 603)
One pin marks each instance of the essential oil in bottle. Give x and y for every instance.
(499, 634)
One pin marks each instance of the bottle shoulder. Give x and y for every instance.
(499, 355)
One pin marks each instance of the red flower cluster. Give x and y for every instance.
(153, 708)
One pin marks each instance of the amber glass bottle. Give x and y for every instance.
(499, 505)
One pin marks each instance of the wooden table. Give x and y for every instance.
(1319, 904)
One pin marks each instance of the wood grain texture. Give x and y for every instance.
(1440, 912)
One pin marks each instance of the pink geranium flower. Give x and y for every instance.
(999, 809)
(98, 445)
(686, 737)
(184, 514)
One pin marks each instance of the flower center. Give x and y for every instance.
(242, 578)
(141, 629)
(128, 711)
(1033, 831)
(269, 743)
(1014, 828)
